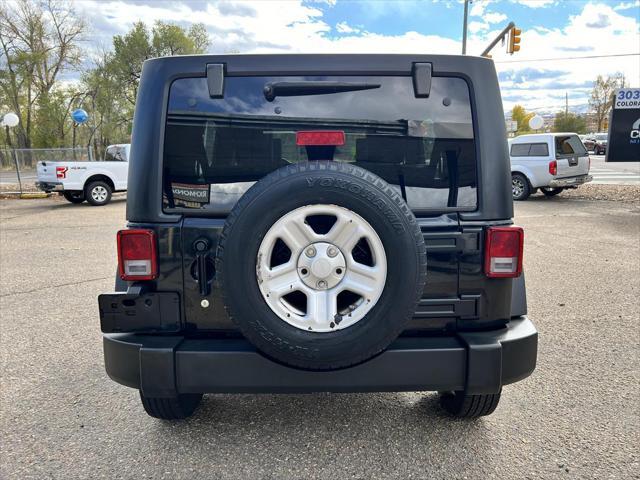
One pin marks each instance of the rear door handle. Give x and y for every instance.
(202, 253)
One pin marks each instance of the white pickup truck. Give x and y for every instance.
(548, 161)
(90, 181)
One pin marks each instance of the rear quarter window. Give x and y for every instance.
(529, 150)
(215, 149)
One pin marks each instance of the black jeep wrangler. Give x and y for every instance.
(306, 223)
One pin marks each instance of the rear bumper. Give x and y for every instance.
(50, 186)
(478, 362)
(570, 181)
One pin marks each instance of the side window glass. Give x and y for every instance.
(520, 150)
(539, 150)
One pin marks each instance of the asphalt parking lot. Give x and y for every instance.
(578, 416)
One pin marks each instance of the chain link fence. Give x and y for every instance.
(18, 166)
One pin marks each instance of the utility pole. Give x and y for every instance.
(566, 104)
(464, 27)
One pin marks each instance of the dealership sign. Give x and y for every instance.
(624, 128)
(627, 98)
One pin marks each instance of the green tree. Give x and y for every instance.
(601, 99)
(569, 122)
(132, 49)
(51, 122)
(110, 89)
(519, 114)
(38, 42)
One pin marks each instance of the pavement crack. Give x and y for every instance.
(54, 286)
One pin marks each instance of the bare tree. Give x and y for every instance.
(601, 99)
(38, 41)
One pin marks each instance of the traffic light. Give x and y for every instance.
(514, 40)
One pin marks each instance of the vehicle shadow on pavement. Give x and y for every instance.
(361, 434)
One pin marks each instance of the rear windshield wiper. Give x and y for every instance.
(294, 89)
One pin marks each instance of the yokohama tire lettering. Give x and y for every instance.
(359, 190)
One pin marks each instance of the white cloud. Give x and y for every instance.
(476, 27)
(291, 26)
(344, 27)
(536, 3)
(627, 5)
(494, 17)
(281, 26)
(478, 7)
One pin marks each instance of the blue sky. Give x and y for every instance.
(553, 29)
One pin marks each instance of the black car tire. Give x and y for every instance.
(74, 196)
(173, 408)
(461, 405)
(105, 193)
(312, 183)
(520, 187)
(550, 192)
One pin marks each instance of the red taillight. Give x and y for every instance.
(320, 137)
(553, 167)
(61, 172)
(137, 258)
(503, 252)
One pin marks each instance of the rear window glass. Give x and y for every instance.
(570, 145)
(529, 150)
(215, 149)
(115, 154)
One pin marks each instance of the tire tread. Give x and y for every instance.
(461, 405)
(174, 408)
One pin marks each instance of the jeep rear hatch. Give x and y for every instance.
(216, 148)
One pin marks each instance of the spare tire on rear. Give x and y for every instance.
(321, 265)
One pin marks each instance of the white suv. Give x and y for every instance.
(548, 161)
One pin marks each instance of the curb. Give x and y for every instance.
(25, 196)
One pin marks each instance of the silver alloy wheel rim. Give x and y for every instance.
(320, 273)
(516, 187)
(99, 193)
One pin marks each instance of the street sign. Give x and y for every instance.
(624, 128)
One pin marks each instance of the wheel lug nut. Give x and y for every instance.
(332, 251)
(310, 252)
(322, 284)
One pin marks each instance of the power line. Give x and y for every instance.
(569, 58)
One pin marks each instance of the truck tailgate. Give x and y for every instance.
(572, 166)
(46, 171)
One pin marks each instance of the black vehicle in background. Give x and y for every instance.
(306, 223)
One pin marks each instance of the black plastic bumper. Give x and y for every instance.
(478, 362)
(49, 186)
